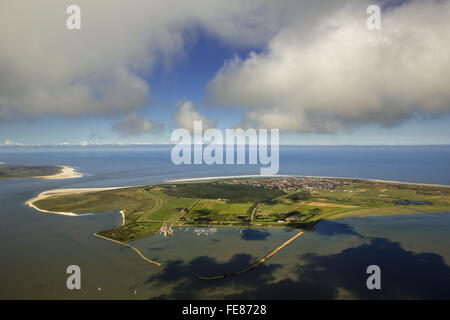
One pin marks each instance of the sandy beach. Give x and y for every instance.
(228, 177)
(54, 192)
(66, 173)
(379, 180)
(122, 212)
(49, 193)
(415, 183)
(285, 176)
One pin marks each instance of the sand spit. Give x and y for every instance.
(66, 173)
(122, 212)
(54, 192)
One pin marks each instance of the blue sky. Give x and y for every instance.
(199, 63)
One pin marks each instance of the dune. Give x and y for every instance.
(66, 173)
(227, 177)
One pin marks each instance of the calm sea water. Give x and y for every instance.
(328, 263)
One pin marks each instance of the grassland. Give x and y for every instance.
(18, 171)
(218, 212)
(145, 208)
(214, 190)
(219, 204)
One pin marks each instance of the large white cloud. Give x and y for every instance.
(340, 74)
(134, 125)
(100, 69)
(186, 114)
(322, 69)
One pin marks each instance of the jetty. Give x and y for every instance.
(131, 247)
(253, 266)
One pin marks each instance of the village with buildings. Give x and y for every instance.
(294, 183)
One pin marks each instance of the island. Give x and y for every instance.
(274, 202)
(39, 172)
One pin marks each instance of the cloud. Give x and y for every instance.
(101, 69)
(338, 75)
(186, 115)
(11, 143)
(133, 125)
(320, 68)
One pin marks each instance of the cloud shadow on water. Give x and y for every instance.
(404, 275)
(254, 234)
(332, 228)
(190, 287)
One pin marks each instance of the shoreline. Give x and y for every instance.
(49, 193)
(228, 177)
(300, 176)
(66, 173)
(30, 204)
(129, 246)
(122, 212)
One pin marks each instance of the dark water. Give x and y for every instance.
(407, 202)
(328, 263)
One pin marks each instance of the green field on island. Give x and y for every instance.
(19, 171)
(294, 202)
